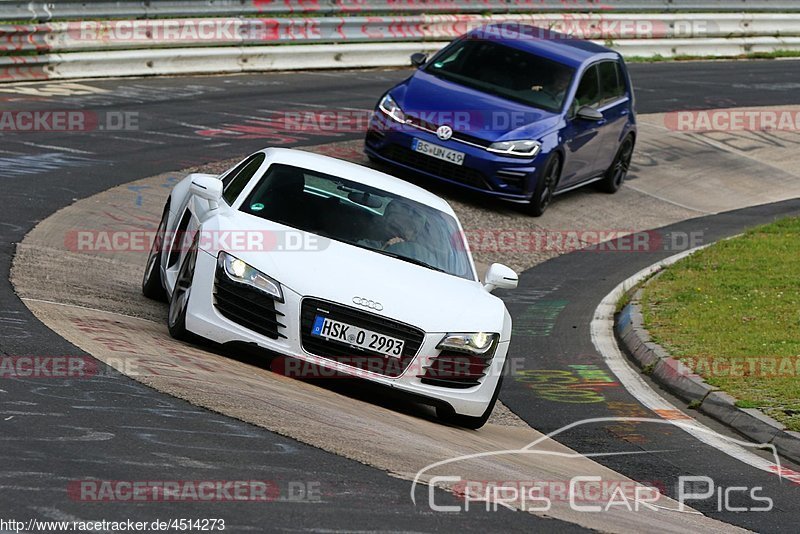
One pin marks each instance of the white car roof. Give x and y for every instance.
(357, 173)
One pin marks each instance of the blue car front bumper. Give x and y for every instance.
(509, 178)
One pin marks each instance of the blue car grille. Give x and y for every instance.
(445, 169)
(457, 135)
(512, 179)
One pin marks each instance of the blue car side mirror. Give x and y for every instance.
(590, 114)
(418, 59)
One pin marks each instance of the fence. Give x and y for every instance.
(126, 47)
(103, 9)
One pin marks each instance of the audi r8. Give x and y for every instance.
(336, 265)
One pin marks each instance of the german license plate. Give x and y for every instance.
(435, 151)
(359, 337)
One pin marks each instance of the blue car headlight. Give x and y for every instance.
(240, 272)
(524, 148)
(390, 108)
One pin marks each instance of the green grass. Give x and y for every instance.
(658, 58)
(731, 312)
(624, 301)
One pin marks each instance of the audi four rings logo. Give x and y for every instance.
(361, 301)
(444, 132)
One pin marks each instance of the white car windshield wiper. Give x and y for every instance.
(409, 259)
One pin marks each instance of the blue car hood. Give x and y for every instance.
(471, 111)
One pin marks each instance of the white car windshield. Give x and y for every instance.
(362, 216)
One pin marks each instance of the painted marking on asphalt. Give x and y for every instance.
(579, 385)
(55, 147)
(40, 163)
(132, 138)
(704, 139)
(538, 319)
(672, 414)
(787, 473)
(240, 116)
(189, 125)
(12, 413)
(297, 104)
(602, 332)
(53, 89)
(88, 434)
(179, 136)
(14, 325)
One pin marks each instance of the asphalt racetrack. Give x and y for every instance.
(341, 457)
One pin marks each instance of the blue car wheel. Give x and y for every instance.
(545, 186)
(616, 173)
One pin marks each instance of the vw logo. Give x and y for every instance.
(371, 304)
(444, 132)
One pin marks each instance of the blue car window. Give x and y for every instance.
(588, 93)
(611, 81)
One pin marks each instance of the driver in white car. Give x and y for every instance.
(404, 233)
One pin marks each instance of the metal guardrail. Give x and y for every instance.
(216, 44)
(206, 32)
(32, 11)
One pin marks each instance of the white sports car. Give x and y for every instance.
(338, 267)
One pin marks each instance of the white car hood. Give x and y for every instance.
(412, 294)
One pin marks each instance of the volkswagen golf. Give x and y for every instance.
(513, 111)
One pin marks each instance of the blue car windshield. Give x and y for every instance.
(506, 72)
(362, 216)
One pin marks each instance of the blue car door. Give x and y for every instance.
(615, 106)
(582, 138)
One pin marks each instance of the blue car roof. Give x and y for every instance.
(541, 42)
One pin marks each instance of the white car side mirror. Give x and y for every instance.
(499, 276)
(207, 186)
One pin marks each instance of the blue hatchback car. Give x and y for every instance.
(513, 111)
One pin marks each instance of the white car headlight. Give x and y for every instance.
(478, 343)
(390, 107)
(526, 147)
(239, 271)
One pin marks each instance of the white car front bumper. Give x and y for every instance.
(205, 320)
